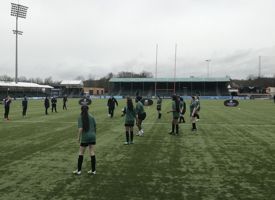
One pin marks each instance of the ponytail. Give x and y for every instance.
(130, 105)
(85, 118)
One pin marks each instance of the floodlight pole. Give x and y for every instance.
(260, 66)
(175, 68)
(16, 51)
(17, 10)
(156, 71)
(208, 65)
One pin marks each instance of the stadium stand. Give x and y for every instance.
(72, 88)
(165, 86)
(23, 88)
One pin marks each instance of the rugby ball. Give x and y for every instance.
(147, 102)
(231, 103)
(85, 101)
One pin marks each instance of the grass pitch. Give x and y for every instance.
(230, 157)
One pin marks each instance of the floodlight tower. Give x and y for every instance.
(175, 68)
(156, 71)
(208, 64)
(17, 10)
(260, 66)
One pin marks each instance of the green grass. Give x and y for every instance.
(232, 156)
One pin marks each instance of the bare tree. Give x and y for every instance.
(48, 80)
(6, 78)
(80, 77)
(38, 80)
(91, 77)
(143, 74)
(109, 76)
(251, 77)
(22, 79)
(125, 74)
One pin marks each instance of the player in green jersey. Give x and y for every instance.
(175, 114)
(159, 102)
(130, 116)
(140, 115)
(182, 110)
(198, 108)
(87, 138)
(193, 112)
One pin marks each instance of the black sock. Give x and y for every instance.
(177, 128)
(132, 136)
(79, 163)
(93, 163)
(194, 125)
(127, 136)
(173, 128)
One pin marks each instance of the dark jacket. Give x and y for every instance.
(25, 102)
(47, 103)
(112, 102)
(54, 101)
(7, 102)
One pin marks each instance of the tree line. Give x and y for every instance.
(89, 82)
(45, 81)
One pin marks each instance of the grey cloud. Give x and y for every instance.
(65, 38)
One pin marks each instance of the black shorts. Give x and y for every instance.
(158, 107)
(129, 125)
(142, 116)
(87, 144)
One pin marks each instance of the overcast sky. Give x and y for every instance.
(68, 38)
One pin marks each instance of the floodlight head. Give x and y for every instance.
(17, 32)
(18, 10)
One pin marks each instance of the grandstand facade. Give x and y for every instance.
(71, 88)
(168, 86)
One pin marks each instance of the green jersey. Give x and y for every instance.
(130, 116)
(193, 105)
(182, 107)
(90, 135)
(174, 109)
(139, 108)
(198, 104)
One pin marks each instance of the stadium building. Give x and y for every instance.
(23, 88)
(168, 86)
(71, 88)
(93, 91)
